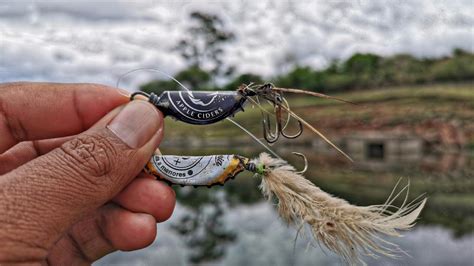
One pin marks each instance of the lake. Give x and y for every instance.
(233, 225)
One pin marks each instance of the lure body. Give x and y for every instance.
(199, 108)
(348, 230)
(208, 107)
(196, 170)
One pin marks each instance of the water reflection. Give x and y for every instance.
(231, 225)
(202, 227)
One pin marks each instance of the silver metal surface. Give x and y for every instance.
(191, 170)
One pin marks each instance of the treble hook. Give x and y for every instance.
(277, 100)
(279, 129)
(305, 162)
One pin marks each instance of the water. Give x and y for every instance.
(232, 225)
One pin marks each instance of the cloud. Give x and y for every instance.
(86, 41)
(80, 10)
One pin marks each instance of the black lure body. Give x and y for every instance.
(199, 107)
(208, 107)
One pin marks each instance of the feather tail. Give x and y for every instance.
(348, 230)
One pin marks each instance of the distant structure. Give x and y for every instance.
(382, 149)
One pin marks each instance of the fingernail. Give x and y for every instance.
(136, 124)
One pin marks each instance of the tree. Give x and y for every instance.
(362, 64)
(195, 78)
(203, 46)
(301, 77)
(203, 49)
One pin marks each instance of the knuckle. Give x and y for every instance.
(92, 156)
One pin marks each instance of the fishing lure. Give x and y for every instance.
(348, 230)
(208, 107)
(197, 170)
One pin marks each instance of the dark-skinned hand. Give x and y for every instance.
(71, 186)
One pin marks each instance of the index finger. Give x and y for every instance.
(32, 111)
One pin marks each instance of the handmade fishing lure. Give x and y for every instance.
(207, 107)
(348, 230)
(197, 170)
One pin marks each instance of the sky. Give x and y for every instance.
(98, 41)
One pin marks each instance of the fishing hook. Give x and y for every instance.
(279, 127)
(305, 162)
(300, 131)
(267, 135)
(282, 130)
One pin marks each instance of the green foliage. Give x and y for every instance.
(360, 64)
(461, 67)
(361, 71)
(337, 82)
(365, 71)
(195, 78)
(300, 77)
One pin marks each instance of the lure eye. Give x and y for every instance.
(139, 93)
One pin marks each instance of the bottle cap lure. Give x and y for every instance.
(197, 170)
(207, 107)
(348, 230)
(198, 108)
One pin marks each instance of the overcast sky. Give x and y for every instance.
(96, 41)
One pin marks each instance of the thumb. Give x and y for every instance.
(40, 200)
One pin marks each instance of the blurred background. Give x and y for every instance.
(408, 64)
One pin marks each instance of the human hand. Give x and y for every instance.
(69, 159)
